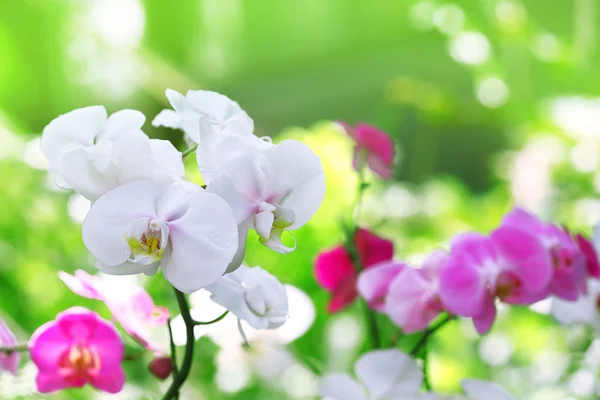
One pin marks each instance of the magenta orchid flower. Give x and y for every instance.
(132, 306)
(336, 272)
(8, 362)
(374, 283)
(373, 148)
(510, 264)
(568, 260)
(413, 300)
(76, 349)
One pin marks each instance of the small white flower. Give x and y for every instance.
(202, 112)
(252, 295)
(271, 188)
(138, 226)
(585, 310)
(382, 375)
(92, 153)
(482, 390)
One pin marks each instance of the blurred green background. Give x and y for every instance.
(491, 103)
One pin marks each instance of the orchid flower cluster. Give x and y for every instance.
(145, 216)
(521, 262)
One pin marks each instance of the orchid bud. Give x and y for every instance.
(161, 367)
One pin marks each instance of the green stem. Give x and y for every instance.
(17, 348)
(428, 333)
(173, 349)
(214, 321)
(184, 371)
(189, 151)
(373, 327)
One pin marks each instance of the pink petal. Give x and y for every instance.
(526, 257)
(372, 249)
(51, 382)
(380, 167)
(483, 322)
(106, 340)
(343, 296)
(112, 382)
(8, 362)
(77, 323)
(462, 285)
(375, 141)
(591, 256)
(524, 220)
(412, 301)
(373, 283)
(82, 284)
(47, 345)
(568, 283)
(332, 267)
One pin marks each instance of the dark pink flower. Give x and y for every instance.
(373, 148)
(374, 283)
(510, 264)
(8, 362)
(161, 367)
(569, 262)
(336, 272)
(76, 349)
(413, 300)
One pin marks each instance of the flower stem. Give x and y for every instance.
(214, 321)
(180, 378)
(189, 151)
(428, 333)
(17, 348)
(174, 370)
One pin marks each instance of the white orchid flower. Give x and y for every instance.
(381, 375)
(138, 226)
(271, 188)
(92, 153)
(252, 295)
(201, 112)
(267, 358)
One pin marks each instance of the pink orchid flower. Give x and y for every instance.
(133, 308)
(510, 264)
(374, 283)
(569, 261)
(414, 300)
(336, 272)
(373, 148)
(76, 349)
(8, 362)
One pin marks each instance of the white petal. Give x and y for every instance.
(123, 122)
(216, 105)
(292, 167)
(582, 311)
(179, 103)
(238, 259)
(167, 159)
(481, 390)
(341, 387)
(168, 118)
(204, 241)
(132, 156)
(104, 227)
(75, 170)
(126, 268)
(175, 200)
(223, 186)
(76, 127)
(389, 373)
(263, 222)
